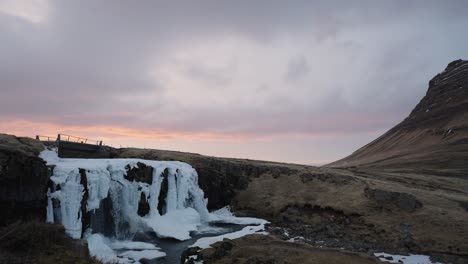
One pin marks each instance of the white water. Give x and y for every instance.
(184, 211)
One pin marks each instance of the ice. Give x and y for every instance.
(225, 216)
(99, 249)
(103, 249)
(175, 224)
(139, 254)
(185, 208)
(208, 229)
(205, 242)
(171, 199)
(98, 187)
(70, 197)
(411, 259)
(50, 209)
(132, 245)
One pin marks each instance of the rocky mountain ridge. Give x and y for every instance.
(433, 138)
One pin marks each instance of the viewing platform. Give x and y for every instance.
(76, 147)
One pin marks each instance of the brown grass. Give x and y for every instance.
(36, 242)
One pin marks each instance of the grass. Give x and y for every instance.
(41, 243)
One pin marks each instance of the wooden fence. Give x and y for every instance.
(69, 138)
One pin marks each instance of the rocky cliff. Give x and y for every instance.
(23, 180)
(434, 137)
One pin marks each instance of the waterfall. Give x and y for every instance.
(80, 187)
(107, 201)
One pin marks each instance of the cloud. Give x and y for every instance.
(35, 11)
(298, 67)
(243, 69)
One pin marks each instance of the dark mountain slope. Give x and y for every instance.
(433, 138)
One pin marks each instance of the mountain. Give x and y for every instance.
(433, 138)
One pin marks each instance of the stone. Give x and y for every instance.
(403, 201)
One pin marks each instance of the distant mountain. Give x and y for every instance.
(433, 137)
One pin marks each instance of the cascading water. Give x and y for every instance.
(105, 200)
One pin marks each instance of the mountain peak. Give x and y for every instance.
(455, 69)
(433, 137)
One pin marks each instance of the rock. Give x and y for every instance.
(141, 173)
(403, 201)
(163, 193)
(191, 251)
(326, 177)
(144, 236)
(463, 205)
(207, 254)
(227, 244)
(23, 181)
(143, 205)
(85, 215)
(260, 260)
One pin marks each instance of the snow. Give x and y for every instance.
(205, 242)
(147, 254)
(208, 229)
(103, 249)
(296, 239)
(225, 216)
(411, 259)
(132, 245)
(176, 224)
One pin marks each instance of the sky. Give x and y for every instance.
(294, 81)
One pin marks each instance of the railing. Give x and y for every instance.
(69, 138)
(46, 138)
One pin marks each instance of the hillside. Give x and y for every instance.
(433, 138)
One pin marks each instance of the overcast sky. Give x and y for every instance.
(294, 81)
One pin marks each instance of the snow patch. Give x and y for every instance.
(225, 216)
(103, 249)
(296, 239)
(205, 242)
(176, 224)
(147, 254)
(411, 259)
(132, 245)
